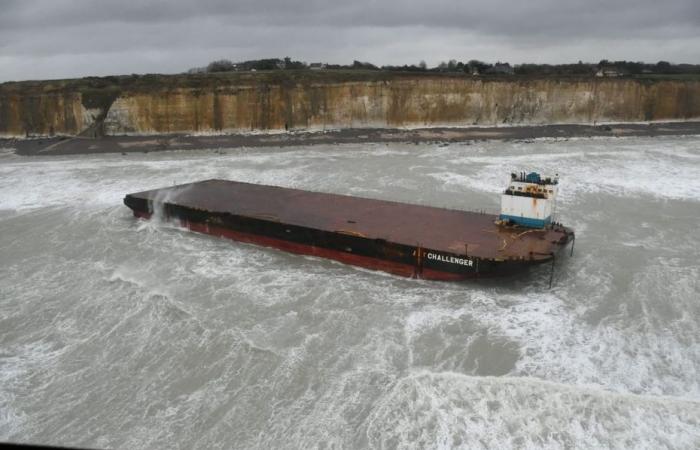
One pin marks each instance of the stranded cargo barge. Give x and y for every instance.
(403, 239)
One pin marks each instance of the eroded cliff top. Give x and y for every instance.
(149, 82)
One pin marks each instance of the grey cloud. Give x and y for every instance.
(493, 17)
(178, 34)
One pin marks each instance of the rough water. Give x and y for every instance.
(122, 333)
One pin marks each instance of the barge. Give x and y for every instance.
(402, 239)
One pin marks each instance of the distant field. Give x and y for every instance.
(679, 76)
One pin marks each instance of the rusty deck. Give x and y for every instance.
(446, 230)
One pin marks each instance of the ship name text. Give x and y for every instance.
(450, 259)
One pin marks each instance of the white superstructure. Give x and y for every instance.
(529, 199)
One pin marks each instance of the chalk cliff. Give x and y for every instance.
(278, 101)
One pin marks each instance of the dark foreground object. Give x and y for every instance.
(409, 240)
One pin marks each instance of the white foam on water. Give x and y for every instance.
(557, 346)
(141, 334)
(17, 366)
(621, 168)
(643, 345)
(451, 410)
(89, 182)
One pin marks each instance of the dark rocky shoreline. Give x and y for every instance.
(131, 144)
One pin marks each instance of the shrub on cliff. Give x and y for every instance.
(222, 65)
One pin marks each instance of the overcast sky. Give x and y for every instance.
(43, 39)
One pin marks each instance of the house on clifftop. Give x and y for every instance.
(608, 72)
(317, 66)
(501, 69)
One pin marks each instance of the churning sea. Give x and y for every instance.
(120, 333)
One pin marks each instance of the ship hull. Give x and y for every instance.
(346, 246)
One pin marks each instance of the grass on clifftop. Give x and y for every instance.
(149, 82)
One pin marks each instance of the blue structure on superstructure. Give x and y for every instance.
(532, 177)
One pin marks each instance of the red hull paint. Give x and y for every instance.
(302, 249)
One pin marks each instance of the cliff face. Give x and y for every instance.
(259, 102)
(48, 114)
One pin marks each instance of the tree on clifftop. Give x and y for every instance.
(222, 65)
(476, 66)
(363, 65)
